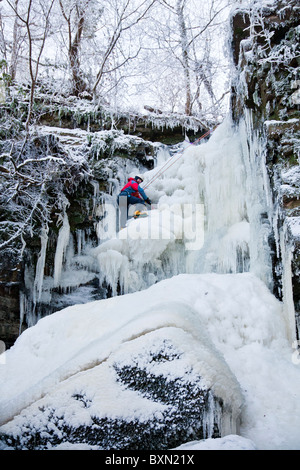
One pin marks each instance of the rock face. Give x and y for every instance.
(9, 312)
(153, 126)
(266, 55)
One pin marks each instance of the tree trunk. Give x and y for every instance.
(14, 49)
(185, 56)
(79, 84)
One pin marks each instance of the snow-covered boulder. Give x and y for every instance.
(185, 361)
(130, 372)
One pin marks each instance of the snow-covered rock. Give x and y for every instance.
(192, 357)
(151, 382)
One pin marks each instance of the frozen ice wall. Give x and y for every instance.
(237, 203)
(211, 215)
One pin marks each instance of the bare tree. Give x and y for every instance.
(184, 42)
(34, 181)
(75, 14)
(96, 38)
(35, 16)
(15, 45)
(11, 39)
(127, 15)
(191, 38)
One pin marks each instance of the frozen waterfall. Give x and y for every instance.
(212, 213)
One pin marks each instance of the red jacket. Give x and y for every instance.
(134, 186)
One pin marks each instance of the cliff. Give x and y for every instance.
(266, 87)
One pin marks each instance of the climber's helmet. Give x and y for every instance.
(138, 178)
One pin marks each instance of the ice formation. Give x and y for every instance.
(208, 217)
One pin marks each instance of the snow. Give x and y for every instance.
(232, 324)
(291, 178)
(230, 442)
(294, 224)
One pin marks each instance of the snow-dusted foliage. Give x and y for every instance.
(120, 52)
(35, 174)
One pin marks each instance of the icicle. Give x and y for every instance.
(106, 227)
(95, 185)
(287, 286)
(80, 241)
(208, 417)
(162, 155)
(114, 270)
(23, 310)
(27, 307)
(40, 266)
(62, 244)
(257, 200)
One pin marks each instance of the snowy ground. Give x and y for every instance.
(241, 317)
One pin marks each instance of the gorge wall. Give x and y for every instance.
(265, 45)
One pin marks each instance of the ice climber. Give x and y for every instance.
(133, 192)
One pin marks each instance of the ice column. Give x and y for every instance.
(287, 287)
(258, 200)
(223, 179)
(40, 266)
(62, 244)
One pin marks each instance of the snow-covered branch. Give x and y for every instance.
(43, 159)
(37, 175)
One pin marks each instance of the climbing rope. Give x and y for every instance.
(167, 164)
